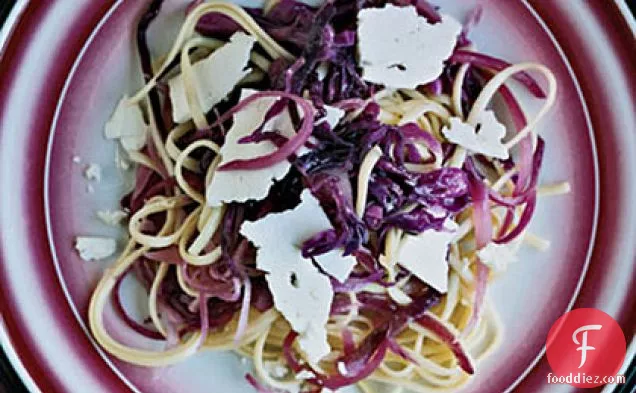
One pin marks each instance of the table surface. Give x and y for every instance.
(10, 382)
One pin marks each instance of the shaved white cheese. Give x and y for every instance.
(93, 248)
(127, 124)
(336, 265)
(484, 137)
(425, 255)
(244, 185)
(498, 256)
(215, 76)
(301, 292)
(332, 117)
(112, 218)
(93, 172)
(400, 49)
(305, 221)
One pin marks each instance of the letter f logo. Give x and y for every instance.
(584, 347)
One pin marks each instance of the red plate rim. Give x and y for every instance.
(611, 17)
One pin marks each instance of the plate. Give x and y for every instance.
(67, 64)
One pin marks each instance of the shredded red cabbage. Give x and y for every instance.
(121, 311)
(356, 284)
(341, 304)
(349, 231)
(168, 255)
(525, 145)
(391, 185)
(362, 362)
(449, 339)
(481, 281)
(288, 22)
(288, 352)
(481, 208)
(261, 296)
(204, 318)
(348, 343)
(423, 298)
(400, 351)
(524, 221)
(200, 280)
(284, 151)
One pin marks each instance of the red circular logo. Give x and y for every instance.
(586, 348)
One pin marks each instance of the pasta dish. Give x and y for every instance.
(326, 190)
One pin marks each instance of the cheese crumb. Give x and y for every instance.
(215, 76)
(484, 137)
(425, 255)
(112, 218)
(127, 124)
(77, 159)
(93, 248)
(93, 172)
(400, 49)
